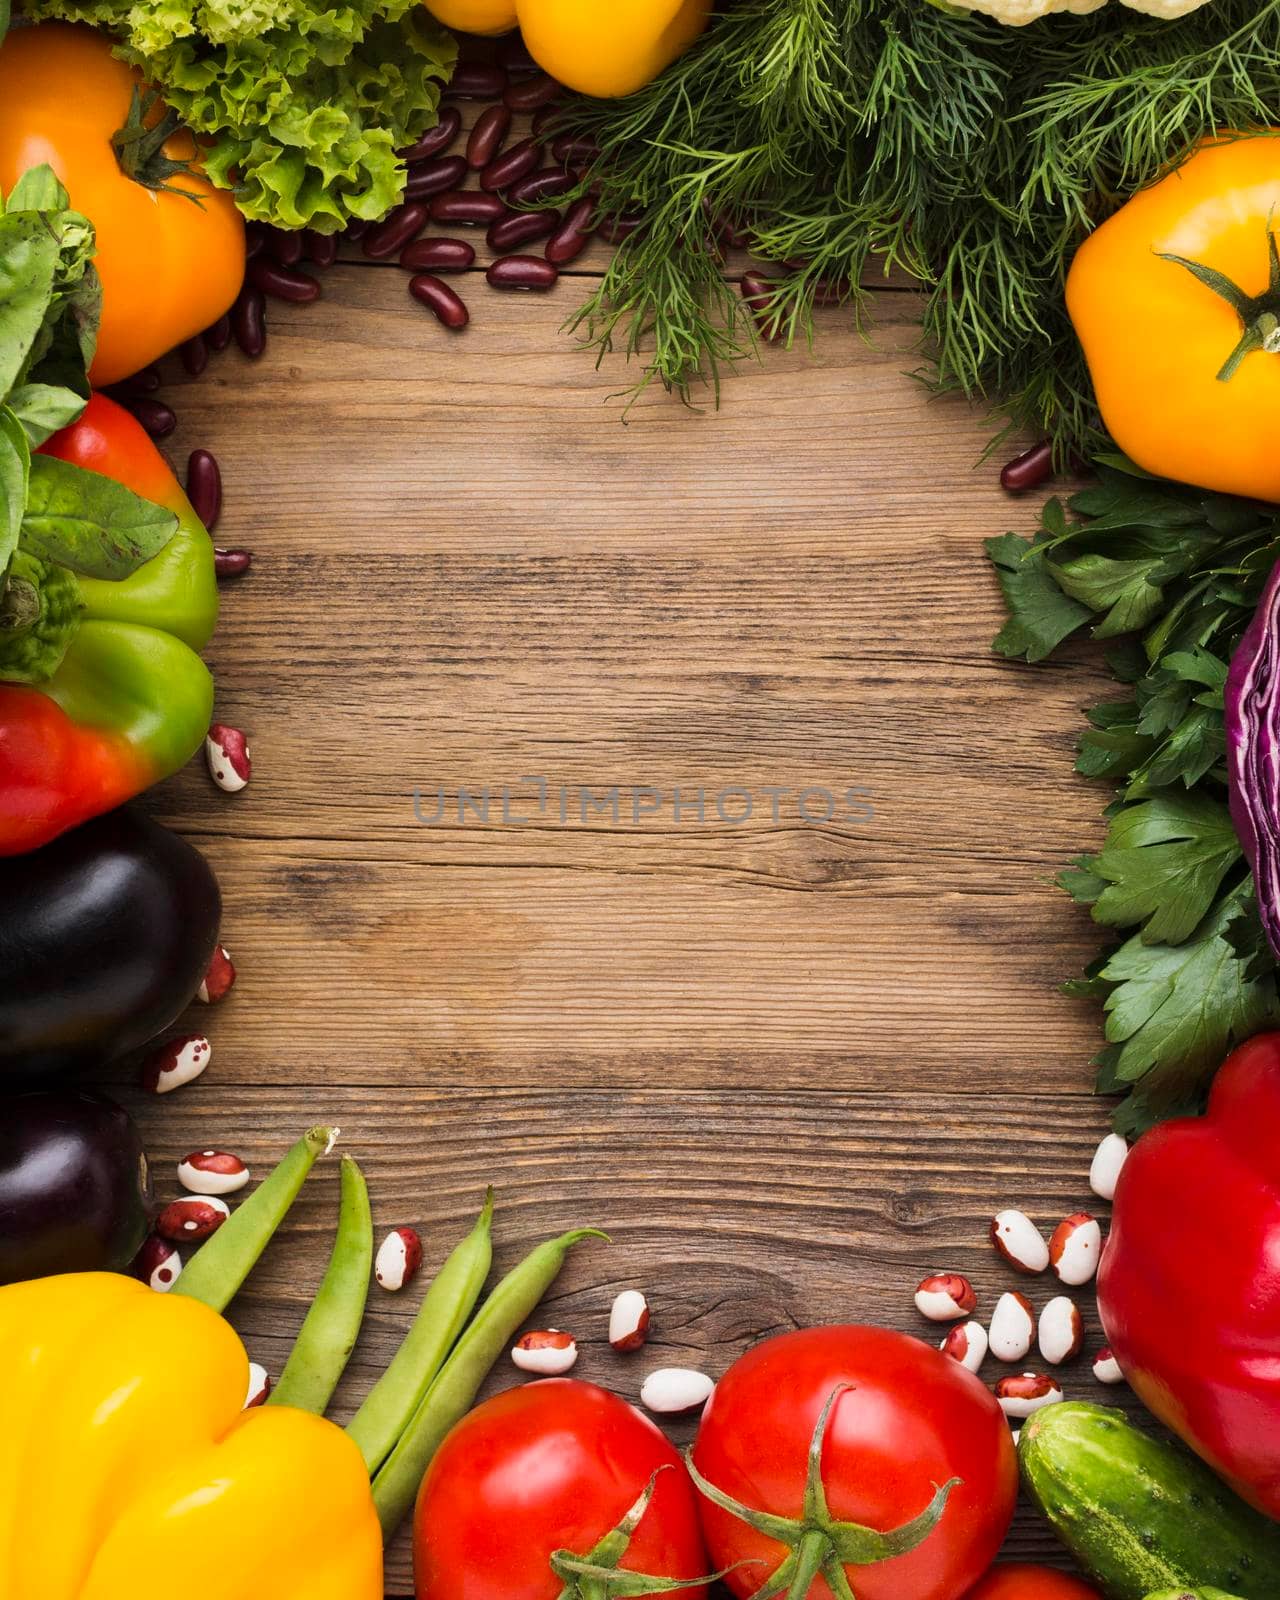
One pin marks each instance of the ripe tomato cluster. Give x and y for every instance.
(832, 1461)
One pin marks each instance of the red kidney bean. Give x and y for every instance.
(249, 321)
(204, 487)
(757, 291)
(473, 80)
(522, 227)
(156, 417)
(356, 229)
(231, 563)
(255, 239)
(394, 232)
(321, 248)
(544, 185)
(284, 247)
(521, 272)
(434, 177)
(435, 141)
(283, 283)
(531, 94)
(568, 149)
(473, 210)
(439, 298)
(195, 355)
(514, 55)
(568, 242)
(1029, 470)
(491, 128)
(437, 255)
(218, 334)
(147, 381)
(730, 232)
(619, 228)
(543, 124)
(826, 292)
(511, 166)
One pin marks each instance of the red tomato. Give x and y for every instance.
(910, 1420)
(550, 1466)
(1014, 1581)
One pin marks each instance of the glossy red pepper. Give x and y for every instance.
(1189, 1287)
(130, 700)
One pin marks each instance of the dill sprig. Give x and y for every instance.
(849, 136)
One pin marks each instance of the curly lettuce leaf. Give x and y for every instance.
(303, 106)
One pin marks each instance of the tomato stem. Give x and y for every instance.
(816, 1541)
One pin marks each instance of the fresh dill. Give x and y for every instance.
(846, 137)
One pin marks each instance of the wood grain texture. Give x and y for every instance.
(790, 1066)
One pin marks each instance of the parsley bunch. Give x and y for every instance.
(841, 136)
(1169, 576)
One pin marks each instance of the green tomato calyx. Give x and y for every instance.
(818, 1544)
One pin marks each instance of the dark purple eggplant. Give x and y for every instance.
(105, 936)
(75, 1194)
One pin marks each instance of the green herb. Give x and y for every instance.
(303, 103)
(850, 135)
(1173, 575)
(56, 518)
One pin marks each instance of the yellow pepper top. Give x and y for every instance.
(603, 50)
(130, 1471)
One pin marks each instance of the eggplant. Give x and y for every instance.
(75, 1192)
(105, 935)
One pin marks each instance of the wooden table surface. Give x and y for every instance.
(789, 1065)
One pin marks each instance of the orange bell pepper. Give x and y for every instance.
(171, 247)
(130, 1471)
(1176, 301)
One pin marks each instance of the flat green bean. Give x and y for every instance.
(459, 1380)
(449, 1302)
(222, 1263)
(332, 1326)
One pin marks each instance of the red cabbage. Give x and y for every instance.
(1252, 704)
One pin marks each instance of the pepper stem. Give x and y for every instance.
(139, 147)
(1259, 314)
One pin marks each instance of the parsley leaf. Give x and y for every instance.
(1041, 616)
(1173, 1014)
(1163, 864)
(1175, 574)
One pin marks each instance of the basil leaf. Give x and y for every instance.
(28, 264)
(38, 189)
(91, 523)
(15, 464)
(43, 408)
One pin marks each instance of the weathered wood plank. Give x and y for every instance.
(789, 1065)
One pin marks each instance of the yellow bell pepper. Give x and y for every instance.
(130, 1471)
(603, 50)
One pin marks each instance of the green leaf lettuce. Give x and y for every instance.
(304, 105)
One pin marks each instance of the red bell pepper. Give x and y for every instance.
(129, 700)
(1189, 1286)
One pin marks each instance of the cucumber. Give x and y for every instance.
(1142, 1516)
(1192, 1594)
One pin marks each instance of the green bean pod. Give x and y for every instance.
(393, 1400)
(222, 1263)
(332, 1326)
(459, 1380)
